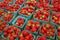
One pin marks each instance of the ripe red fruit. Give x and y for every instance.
(21, 38)
(43, 6)
(52, 34)
(51, 27)
(26, 11)
(8, 17)
(55, 2)
(13, 8)
(11, 38)
(44, 1)
(42, 15)
(32, 26)
(33, 29)
(48, 30)
(19, 2)
(28, 28)
(42, 38)
(24, 33)
(58, 32)
(32, 3)
(58, 29)
(26, 36)
(42, 31)
(20, 21)
(3, 4)
(8, 1)
(56, 8)
(11, 32)
(56, 18)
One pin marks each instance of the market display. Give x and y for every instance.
(30, 19)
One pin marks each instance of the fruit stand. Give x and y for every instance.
(29, 20)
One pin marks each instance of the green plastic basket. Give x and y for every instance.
(23, 24)
(48, 36)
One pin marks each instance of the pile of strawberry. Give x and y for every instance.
(55, 5)
(8, 16)
(32, 3)
(44, 1)
(20, 22)
(43, 6)
(42, 15)
(26, 11)
(48, 30)
(19, 2)
(42, 38)
(11, 32)
(25, 36)
(56, 18)
(30, 19)
(2, 25)
(33, 26)
(13, 8)
(8, 1)
(5, 3)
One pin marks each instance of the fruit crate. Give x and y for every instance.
(42, 6)
(21, 27)
(55, 5)
(8, 38)
(55, 18)
(31, 3)
(42, 20)
(13, 8)
(7, 35)
(49, 8)
(19, 2)
(7, 20)
(24, 15)
(26, 34)
(38, 24)
(50, 38)
(2, 26)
